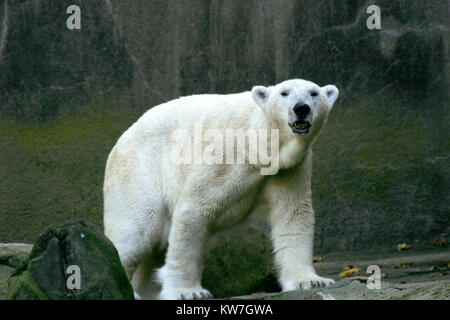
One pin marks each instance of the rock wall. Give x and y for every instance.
(381, 172)
(164, 49)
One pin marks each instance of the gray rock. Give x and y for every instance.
(13, 254)
(356, 289)
(44, 274)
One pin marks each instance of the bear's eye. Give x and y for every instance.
(314, 94)
(284, 93)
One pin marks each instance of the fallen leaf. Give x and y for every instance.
(317, 258)
(349, 272)
(440, 242)
(442, 266)
(402, 265)
(440, 274)
(348, 267)
(403, 246)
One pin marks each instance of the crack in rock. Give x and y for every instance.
(133, 58)
(4, 35)
(359, 18)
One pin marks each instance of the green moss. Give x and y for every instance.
(23, 287)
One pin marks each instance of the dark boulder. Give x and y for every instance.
(46, 273)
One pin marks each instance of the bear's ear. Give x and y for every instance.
(332, 94)
(261, 95)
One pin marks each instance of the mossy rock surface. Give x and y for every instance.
(5, 272)
(239, 261)
(44, 274)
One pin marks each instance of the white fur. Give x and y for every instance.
(151, 204)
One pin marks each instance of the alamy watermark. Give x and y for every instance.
(74, 20)
(374, 281)
(236, 146)
(74, 280)
(374, 21)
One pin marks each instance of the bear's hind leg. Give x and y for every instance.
(144, 279)
(180, 277)
(131, 247)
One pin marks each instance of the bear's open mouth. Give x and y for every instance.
(300, 126)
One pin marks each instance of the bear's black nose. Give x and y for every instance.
(302, 110)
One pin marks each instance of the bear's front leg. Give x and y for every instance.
(292, 222)
(292, 237)
(180, 277)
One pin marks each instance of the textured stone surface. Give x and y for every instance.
(45, 66)
(356, 289)
(13, 254)
(43, 276)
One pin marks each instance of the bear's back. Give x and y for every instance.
(213, 111)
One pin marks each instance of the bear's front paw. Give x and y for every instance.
(185, 294)
(307, 282)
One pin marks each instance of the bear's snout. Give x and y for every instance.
(302, 110)
(303, 122)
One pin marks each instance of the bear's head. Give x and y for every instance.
(298, 106)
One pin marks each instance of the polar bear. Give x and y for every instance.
(160, 213)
